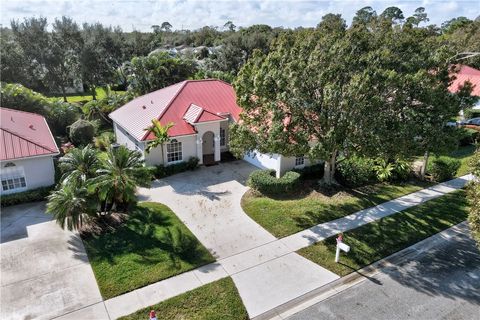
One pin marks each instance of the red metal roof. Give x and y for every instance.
(24, 134)
(466, 73)
(171, 104)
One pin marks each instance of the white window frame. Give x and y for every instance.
(223, 137)
(13, 177)
(299, 161)
(177, 150)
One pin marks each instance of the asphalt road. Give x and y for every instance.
(441, 284)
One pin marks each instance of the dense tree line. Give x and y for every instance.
(51, 58)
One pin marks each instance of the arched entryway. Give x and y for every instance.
(208, 148)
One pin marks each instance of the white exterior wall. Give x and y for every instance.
(124, 138)
(264, 161)
(38, 171)
(225, 125)
(275, 162)
(189, 149)
(214, 127)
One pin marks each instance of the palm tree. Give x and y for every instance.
(117, 178)
(71, 206)
(161, 135)
(78, 165)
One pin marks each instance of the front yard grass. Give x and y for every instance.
(218, 300)
(379, 239)
(138, 253)
(464, 154)
(285, 216)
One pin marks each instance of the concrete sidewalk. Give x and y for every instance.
(272, 274)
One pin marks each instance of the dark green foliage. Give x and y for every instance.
(443, 168)
(311, 172)
(355, 172)
(27, 196)
(82, 132)
(58, 114)
(265, 181)
(61, 115)
(156, 71)
(162, 171)
(474, 198)
(467, 136)
(401, 170)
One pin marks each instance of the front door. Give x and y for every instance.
(208, 148)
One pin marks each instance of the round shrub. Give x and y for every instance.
(82, 132)
(355, 172)
(265, 181)
(311, 172)
(443, 168)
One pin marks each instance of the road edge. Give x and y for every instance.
(322, 293)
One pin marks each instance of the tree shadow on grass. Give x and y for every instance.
(142, 234)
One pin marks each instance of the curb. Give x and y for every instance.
(322, 293)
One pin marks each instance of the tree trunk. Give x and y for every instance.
(424, 166)
(64, 94)
(94, 93)
(329, 172)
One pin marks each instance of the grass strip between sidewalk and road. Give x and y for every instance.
(218, 300)
(152, 244)
(379, 239)
(286, 216)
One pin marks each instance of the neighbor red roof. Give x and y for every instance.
(184, 103)
(466, 73)
(24, 134)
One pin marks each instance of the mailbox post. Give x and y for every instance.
(340, 246)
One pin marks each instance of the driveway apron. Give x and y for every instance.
(45, 270)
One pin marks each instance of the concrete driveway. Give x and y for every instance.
(45, 270)
(207, 200)
(266, 273)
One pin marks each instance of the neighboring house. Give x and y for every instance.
(201, 111)
(27, 149)
(467, 74)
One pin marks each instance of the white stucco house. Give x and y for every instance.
(201, 111)
(27, 149)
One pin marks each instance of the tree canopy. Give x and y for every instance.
(372, 90)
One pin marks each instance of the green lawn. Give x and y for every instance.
(218, 300)
(139, 252)
(86, 96)
(283, 217)
(386, 236)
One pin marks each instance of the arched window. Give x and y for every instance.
(13, 177)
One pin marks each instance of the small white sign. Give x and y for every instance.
(343, 246)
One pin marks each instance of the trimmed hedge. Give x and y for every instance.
(443, 168)
(468, 136)
(315, 171)
(264, 181)
(162, 171)
(356, 172)
(38, 194)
